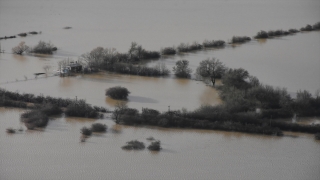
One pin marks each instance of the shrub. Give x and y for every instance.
(118, 92)
(86, 131)
(81, 109)
(98, 127)
(308, 27)
(155, 146)
(183, 47)
(262, 35)
(293, 31)
(286, 32)
(240, 39)
(195, 46)
(34, 118)
(43, 48)
(10, 130)
(187, 48)
(134, 145)
(182, 69)
(218, 43)
(50, 109)
(316, 26)
(168, 51)
(279, 32)
(150, 55)
(33, 32)
(150, 138)
(21, 48)
(22, 34)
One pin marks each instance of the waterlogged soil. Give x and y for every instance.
(56, 152)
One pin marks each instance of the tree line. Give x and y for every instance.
(248, 106)
(40, 108)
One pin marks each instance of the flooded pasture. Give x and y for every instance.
(56, 152)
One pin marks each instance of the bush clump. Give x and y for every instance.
(49, 109)
(155, 146)
(86, 131)
(316, 26)
(278, 32)
(308, 27)
(187, 48)
(98, 127)
(240, 39)
(22, 34)
(181, 69)
(43, 48)
(134, 145)
(118, 92)
(150, 55)
(10, 130)
(168, 51)
(34, 118)
(22, 47)
(33, 32)
(292, 31)
(262, 35)
(81, 109)
(218, 43)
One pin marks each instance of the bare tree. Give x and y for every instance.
(21, 48)
(118, 111)
(99, 56)
(210, 69)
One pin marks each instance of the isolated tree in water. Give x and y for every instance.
(21, 48)
(210, 69)
(181, 69)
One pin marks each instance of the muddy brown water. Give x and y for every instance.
(55, 152)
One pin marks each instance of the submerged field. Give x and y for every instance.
(56, 152)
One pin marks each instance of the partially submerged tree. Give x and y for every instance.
(155, 146)
(210, 69)
(137, 53)
(86, 131)
(118, 92)
(98, 127)
(43, 48)
(168, 51)
(181, 69)
(134, 145)
(21, 48)
(118, 112)
(100, 57)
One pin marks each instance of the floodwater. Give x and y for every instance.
(292, 62)
(57, 153)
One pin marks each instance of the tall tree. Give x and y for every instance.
(210, 69)
(181, 69)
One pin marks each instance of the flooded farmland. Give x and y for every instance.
(56, 152)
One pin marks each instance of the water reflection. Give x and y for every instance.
(210, 95)
(21, 58)
(113, 102)
(116, 129)
(66, 82)
(141, 99)
(78, 120)
(262, 41)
